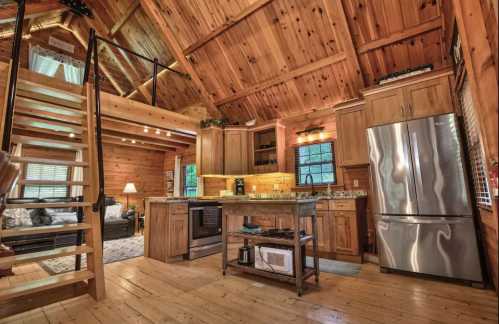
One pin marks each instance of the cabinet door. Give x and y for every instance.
(351, 125)
(209, 151)
(158, 229)
(428, 98)
(177, 234)
(345, 232)
(235, 152)
(385, 107)
(323, 231)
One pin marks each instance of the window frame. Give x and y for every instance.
(333, 164)
(24, 177)
(184, 180)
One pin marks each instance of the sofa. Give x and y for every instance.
(117, 224)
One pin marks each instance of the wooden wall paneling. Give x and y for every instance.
(482, 75)
(154, 12)
(32, 10)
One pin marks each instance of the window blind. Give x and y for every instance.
(475, 147)
(317, 160)
(46, 172)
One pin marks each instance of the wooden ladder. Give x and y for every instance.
(46, 106)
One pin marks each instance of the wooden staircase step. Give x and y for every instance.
(39, 105)
(44, 255)
(67, 145)
(44, 229)
(48, 99)
(53, 125)
(31, 287)
(48, 90)
(25, 159)
(49, 205)
(52, 183)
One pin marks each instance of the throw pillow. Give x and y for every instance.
(17, 217)
(64, 218)
(113, 212)
(39, 218)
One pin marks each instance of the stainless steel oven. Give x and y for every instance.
(205, 228)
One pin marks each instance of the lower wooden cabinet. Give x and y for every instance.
(346, 239)
(167, 230)
(323, 230)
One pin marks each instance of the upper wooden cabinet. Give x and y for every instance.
(267, 148)
(210, 151)
(351, 130)
(235, 151)
(415, 97)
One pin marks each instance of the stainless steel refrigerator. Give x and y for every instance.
(424, 219)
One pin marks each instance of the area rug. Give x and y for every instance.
(114, 250)
(336, 267)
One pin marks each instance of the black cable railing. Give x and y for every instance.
(11, 90)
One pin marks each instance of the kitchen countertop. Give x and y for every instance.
(235, 199)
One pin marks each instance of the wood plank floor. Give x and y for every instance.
(143, 290)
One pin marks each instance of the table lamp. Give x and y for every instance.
(129, 188)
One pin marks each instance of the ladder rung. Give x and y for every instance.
(44, 229)
(44, 255)
(47, 99)
(49, 91)
(31, 287)
(48, 107)
(49, 205)
(25, 159)
(52, 183)
(47, 142)
(53, 125)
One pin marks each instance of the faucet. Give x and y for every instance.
(309, 175)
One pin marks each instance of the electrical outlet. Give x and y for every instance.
(355, 183)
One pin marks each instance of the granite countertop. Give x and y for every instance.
(236, 199)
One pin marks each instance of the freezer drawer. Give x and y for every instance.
(443, 246)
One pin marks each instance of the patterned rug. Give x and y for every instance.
(337, 267)
(114, 250)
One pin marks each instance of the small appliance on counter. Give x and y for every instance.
(246, 255)
(239, 186)
(277, 258)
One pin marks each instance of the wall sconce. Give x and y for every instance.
(312, 134)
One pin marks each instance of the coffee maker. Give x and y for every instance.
(239, 186)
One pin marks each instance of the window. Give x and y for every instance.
(318, 160)
(190, 181)
(475, 149)
(49, 173)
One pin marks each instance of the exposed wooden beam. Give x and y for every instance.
(102, 67)
(129, 12)
(33, 10)
(154, 12)
(143, 139)
(117, 141)
(68, 19)
(430, 25)
(229, 23)
(284, 77)
(123, 108)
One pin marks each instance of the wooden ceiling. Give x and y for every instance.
(262, 59)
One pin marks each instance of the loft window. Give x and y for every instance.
(318, 160)
(52, 64)
(46, 173)
(190, 181)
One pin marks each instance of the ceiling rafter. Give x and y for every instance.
(154, 12)
(33, 10)
(129, 12)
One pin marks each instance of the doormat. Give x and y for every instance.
(114, 250)
(337, 267)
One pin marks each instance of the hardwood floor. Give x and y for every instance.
(143, 290)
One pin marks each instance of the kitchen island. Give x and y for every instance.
(288, 209)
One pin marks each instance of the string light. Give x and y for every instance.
(134, 141)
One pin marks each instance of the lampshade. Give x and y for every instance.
(130, 188)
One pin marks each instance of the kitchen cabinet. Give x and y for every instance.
(349, 226)
(415, 97)
(166, 230)
(267, 148)
(351, 134)
(235, 151)
(210, 151)
(323, 231)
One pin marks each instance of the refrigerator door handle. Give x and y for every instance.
(417, 163)
(420, 220)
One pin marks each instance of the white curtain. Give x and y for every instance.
(42, 62)
(17, 150)
(73, 73)
(77, 176)
(177, 192)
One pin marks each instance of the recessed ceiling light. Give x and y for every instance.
(158, 132)
(134, 141)
(168, 133)
(71, 135)
(123, 139)
(146, 129)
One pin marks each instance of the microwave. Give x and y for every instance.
(276, 258)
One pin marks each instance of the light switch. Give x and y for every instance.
(355, 183)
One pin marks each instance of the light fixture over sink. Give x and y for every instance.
(313, 134)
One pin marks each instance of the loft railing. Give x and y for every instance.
(14, 68)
